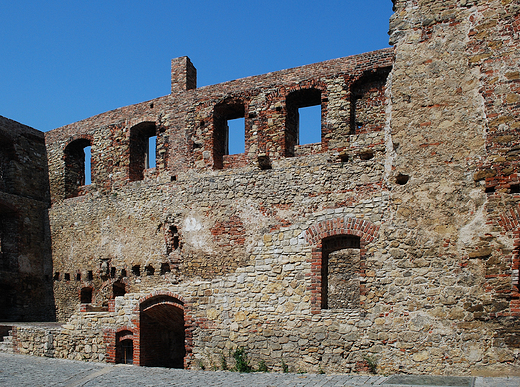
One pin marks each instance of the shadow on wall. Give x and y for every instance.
(26, 288)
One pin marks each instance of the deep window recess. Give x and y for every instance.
(143, 145)
(340, 272)
(118, 289)
(86, 296)
(307, 129)
(172, 239)
(149, 270)
(236, 136)
(88, 169)
(77, 166)
(367, 113)
(229, 128)
(165, 268)
(151, 153)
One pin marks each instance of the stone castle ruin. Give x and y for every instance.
(392, 243)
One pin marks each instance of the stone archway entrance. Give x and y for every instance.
(162, 336)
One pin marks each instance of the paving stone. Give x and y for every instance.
(19, 370)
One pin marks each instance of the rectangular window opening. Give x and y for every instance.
(151, 152)
(309, 125)
(236, 136)
(88, 158)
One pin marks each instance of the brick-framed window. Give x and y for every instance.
(223, 112)
(143, 149)
(122, 345)
(367, 101)
(342, 272)
(296, 100)
(335, 234)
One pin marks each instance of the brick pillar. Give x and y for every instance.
(184, 75)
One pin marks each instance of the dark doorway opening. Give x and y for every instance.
(125, 348)
(118, 289)
(127, 352)
(86, 296)
(162, 332)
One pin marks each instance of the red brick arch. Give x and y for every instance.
(160, 293)
(315, 234)
(76, 137)
(110, 335)
(189, 322)
(110, 338)
(347, 225)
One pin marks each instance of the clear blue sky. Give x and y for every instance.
(63, 61)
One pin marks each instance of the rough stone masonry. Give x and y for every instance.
(393, 243)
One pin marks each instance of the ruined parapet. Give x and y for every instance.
(184, 75)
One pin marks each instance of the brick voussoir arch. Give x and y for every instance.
(160, 293)
(109, 337)
(189, 322)
(364, 229)
(78, 136)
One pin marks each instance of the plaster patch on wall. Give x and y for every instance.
(255, 220)
(470, 232)
(196, 234)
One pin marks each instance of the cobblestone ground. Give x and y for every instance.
(17, 370)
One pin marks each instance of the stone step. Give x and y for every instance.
(7, 339)
(6, 347)
(6, 344)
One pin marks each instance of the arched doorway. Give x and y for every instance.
(162, 334)
(125, 347)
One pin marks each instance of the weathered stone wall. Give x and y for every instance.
(395, 240)
(219, 215)
(451, 57)
(25, 256)
(78, 342)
